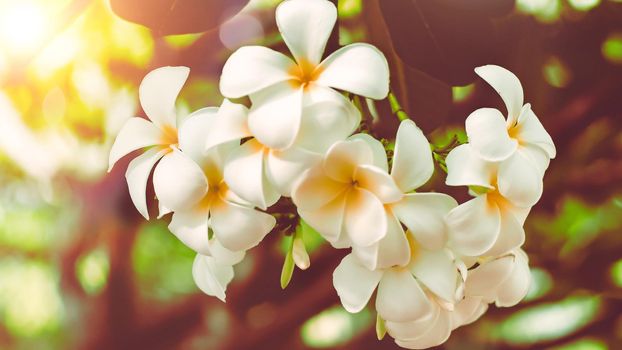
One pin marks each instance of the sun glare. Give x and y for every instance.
(23, 26)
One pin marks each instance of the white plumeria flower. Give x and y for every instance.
(422, 213)
(520, 139)
(280, 87)
(260, 174)
(158, 92)
(405, 293)
(213, 273)
(343, 196)
(190, 183)
(492, 222)
(436, 327)
(504, 280)
(352, 200)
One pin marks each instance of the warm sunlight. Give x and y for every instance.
(23, 26)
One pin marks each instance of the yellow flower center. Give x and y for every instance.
(169, 136)
(495, 199)
(414, 247)
(217, 186)
(304, 74)
(514, 131)
(215, 195)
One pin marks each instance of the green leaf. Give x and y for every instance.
(288, 266)
(381, 330)
(479, 190)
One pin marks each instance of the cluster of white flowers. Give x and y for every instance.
(435, 265)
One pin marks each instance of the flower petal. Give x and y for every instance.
(400, 298)
(537, 156)
(520, 214)
(283, 168)
(436, 335)
(378, 151)
(520, 181)
(179, 183)
(253, 68)
(507, 86)
(473, 226)
(305, 26)
(358, 68)
(239, 228)
(244, 173)
(224, 255)
(276, 115)
(413, 329)
(343, 157)
(135, 134)
(365, 221)
(392, 250)
(315, 189)
(465, 168)
(484, 280)
(190, 227)
(327, 117)
(437, 271)
(137, 175)
(230, 124)
(193, 130)
(378, 182)
(162, 210)
(354, 283)
(327, 220)
(412, 159)
(511, 235)
(531, 131)
(158, 92)
(424, 216)
(516, 286)
(467, 311)
(211, 276)
(488, 135)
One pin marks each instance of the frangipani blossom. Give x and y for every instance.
(351, 199)
(422, 213)
(190, 182)
(280, 87)
(504, 280)
(213, 273)
(492, 222)
(495, 138)
(158, 92)
(260, 174)
(436, 327)
(405, 293)
(343, 196)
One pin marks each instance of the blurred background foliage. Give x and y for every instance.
(80, 269)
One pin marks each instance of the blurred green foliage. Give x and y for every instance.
(162, 264)
(92, 270)
(334, 327)
(548, 321)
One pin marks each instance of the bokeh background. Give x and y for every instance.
(80, 269)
